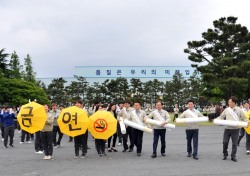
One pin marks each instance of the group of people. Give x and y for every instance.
(47, 139)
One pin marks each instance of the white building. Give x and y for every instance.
(144, 73)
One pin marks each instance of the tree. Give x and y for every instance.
(123, 88)
(3, 63)
(196, 88)
(83, 84)
(90, 90)
(17, 92)
(113, 89)
(136, 85)
(175, 90)
(56, 91)
(220, 57)
(72, 92)
(15, 66)
(105, 93)
(41, 84)
(29, 74)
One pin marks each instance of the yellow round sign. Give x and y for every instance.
(248, 118)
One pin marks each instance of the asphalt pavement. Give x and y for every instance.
(22, 160)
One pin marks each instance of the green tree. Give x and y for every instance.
(83, 85)
(15, 66)
(113, 90)
(196, 88)
(41, 84)
(90, 91)
(220, 57)
(104, 92)
(153, 91)
(136, 85)
(176, 88)
(73, 92)
(56, 91)
(17, 92)
(123, 88)
(29, 74)
(96, 94)
(3, 63)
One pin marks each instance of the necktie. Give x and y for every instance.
(159, 112)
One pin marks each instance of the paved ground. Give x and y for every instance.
(22, 160)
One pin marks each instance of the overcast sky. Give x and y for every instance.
(61, 34)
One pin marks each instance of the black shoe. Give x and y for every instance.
(83, 155)
(195, 157)
(130, 150)
(224, 158)
(114, 150)
(5, 146)
(189, 155)
(124, 150)
(153, 156)
(163, 154)
(234, 159)
(11, 145)
(138, 154)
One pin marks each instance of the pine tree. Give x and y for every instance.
(29, 74)
(15, 67)
(3, 63)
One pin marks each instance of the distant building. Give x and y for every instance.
(144, 73)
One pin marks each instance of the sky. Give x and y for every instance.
(62, 34)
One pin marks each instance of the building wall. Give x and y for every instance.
(144, 73)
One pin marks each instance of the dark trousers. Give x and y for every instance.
(18, 126)
(70, 139)
(81, 142)
(175, 117)
(47, 142)
(25, 133)
(2, 131)
(8, 132)
(129, 133)
(233, 134)
(247, 141)
(119, 133)
(56, 130)
(138, 139)
(192, 135)
(32, 136)
(38, 141)
(241, 134)
(100, 145)
(162, 134)
(114, 140)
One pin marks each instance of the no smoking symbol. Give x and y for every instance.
(100, 125)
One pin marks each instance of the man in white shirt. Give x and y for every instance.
(124, 114)
(160, 115)
(192, 130)
(232, 113)
(137, 116)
